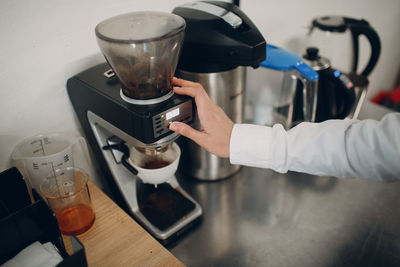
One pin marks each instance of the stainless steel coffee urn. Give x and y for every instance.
(220, 41)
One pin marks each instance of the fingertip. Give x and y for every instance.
(177, 89)
(177, 81)
(174, 126)
(184, 129)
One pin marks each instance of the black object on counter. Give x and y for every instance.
(336, 92)
(162, 205)
(22, 223)
(12, 185)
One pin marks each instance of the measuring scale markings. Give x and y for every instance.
(40, 148)
(68, 183)
(43, 156)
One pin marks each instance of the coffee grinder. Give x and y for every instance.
(125, 112)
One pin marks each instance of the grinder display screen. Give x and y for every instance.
(182, 112)
(172, 114)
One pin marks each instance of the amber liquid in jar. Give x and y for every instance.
(76, 219)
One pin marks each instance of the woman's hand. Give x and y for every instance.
(216, 126)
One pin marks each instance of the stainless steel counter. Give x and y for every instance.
(261, 218)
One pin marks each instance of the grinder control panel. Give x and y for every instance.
(182, 112)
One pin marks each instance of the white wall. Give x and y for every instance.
(43, 43)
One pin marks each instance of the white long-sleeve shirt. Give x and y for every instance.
(366, 149)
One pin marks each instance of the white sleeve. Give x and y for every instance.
(343, 148)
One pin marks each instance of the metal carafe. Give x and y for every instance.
(273, 87)
(220, 41)
(336, 92)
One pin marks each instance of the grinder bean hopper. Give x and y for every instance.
(125, 107)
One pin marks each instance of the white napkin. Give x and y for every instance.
(36, 255)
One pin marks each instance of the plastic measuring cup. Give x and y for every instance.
(38, 155)
(67, 194)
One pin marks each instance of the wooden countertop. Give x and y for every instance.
(116, 239)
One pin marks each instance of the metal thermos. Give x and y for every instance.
(226, 90)
(220, 41)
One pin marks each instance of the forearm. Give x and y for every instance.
(309, 147)
(338, 148)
